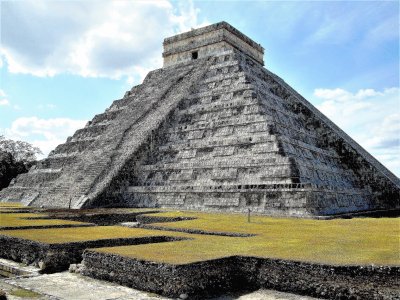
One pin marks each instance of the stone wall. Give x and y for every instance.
(57, 257)
(207, 41)
(210, 278)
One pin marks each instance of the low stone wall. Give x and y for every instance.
(57, 257)
(15, 211)
(196, 231)
(210, 278)
(196, 280)
(10, 271)
(103, 219)
(146, 219)
(324, 281)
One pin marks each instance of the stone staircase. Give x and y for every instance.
(92, 157)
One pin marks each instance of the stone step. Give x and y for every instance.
(55, 161)
(74, 146)
(89, 132)
(218, 105)
(236, 91)
(230, 188)
(219, 77)
(222, 162)
(122, 103)
(33, 179)
(106, 116)
(217, 122)
(257, 137)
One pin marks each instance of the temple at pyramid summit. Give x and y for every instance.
(211, 130)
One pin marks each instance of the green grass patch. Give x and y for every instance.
(142, 209)
(23, 293)
(19, 220)
(79, 234)
(360, 241)
(7, 210)
(200, 248)
(339, 242)
(11, 204)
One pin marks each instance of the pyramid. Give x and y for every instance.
(211, 130)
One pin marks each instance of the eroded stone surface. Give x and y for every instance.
(203, 279)
(264, 294)
(55, 289)
(70, 286)
(73, 286)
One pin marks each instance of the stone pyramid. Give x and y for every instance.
(211, 130)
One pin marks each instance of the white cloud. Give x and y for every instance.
(345, 96)
(47, 106)
(339, 23)
(324, 32)
(371, 117)
(89, 38)
(43, 133)
(332, 29)
(382, 32)
(4, 102)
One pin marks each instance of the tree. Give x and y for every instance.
(9, 168)
(16, 157)
(21, 151)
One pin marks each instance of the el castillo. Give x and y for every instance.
(213, 176)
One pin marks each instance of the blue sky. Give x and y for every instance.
(62, 62)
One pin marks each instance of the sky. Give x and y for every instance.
(62, 62)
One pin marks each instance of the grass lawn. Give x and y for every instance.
(6, 207)
(11, 204)
(78, 234)
(19, 220)
(361, 241)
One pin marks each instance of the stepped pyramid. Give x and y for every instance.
(211, 130)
